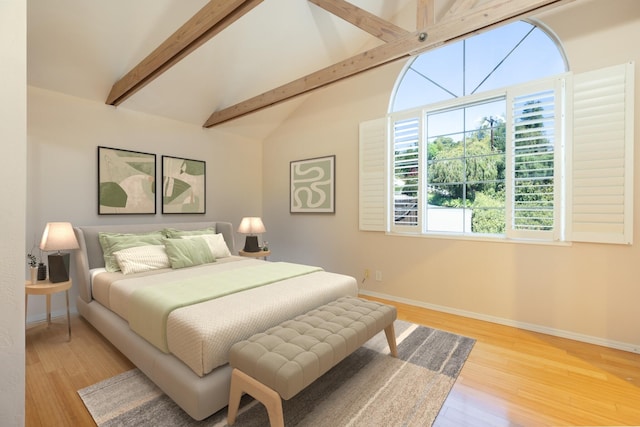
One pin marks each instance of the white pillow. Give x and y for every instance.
(142, 258)
(216, 243)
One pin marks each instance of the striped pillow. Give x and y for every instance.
(216, 243)
(142, 258)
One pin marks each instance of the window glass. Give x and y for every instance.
(508, 55)
(465, 168)
(450, 157)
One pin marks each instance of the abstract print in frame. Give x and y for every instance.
(126, 182)
(313, 185)
(183, 186)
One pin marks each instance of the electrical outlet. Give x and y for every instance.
(378, 276)
(366, 273)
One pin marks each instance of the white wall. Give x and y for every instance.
(586, 291)
(13, 134)
(63, 135)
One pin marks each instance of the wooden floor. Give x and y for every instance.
(511, 378)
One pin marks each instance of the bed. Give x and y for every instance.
(183, 348)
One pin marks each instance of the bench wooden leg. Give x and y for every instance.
(235, 393)
(391, 339)
(243, 383)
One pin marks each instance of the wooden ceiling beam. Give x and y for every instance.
(426, 14)
(362, 19)
(458, 7)
(214, 17)
(485, 16)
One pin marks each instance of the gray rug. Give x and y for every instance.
(369, 388)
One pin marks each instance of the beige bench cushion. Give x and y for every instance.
(289, 357)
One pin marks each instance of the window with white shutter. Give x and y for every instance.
(492, 136)
(534, 171)
(567, 149)
(373, 175)
(601, 205)
(405, 208)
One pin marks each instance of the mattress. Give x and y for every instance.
(201, 335)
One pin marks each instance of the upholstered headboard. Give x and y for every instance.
(89, 254)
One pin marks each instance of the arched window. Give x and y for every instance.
(493, 137)
(508, 55)
(450, 157)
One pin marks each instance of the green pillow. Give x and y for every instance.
(114, 242)
(173, 233)
(188, 252)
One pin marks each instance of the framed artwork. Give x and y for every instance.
(126, 182)
(313, 185)
(183, 186)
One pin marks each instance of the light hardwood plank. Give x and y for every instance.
(517, 377)
(512, 376)
(57, 368)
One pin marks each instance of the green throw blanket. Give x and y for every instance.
(149, 307)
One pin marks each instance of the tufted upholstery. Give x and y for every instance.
(289, 357)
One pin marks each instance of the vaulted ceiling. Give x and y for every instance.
(246, 55)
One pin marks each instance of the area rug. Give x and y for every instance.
(368, 388)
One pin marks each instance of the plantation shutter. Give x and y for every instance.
(601, 203)
(373, 179)
(406, 136)
(533, 161)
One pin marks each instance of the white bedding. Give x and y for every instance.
(201, 335)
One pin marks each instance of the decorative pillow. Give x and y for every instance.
(142, 258)
(217, 245)
(173, 233)
(188, 252)
(113, 242)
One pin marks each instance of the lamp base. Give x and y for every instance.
(251, 244)
(59, 267)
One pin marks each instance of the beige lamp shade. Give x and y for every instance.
(251, 225)
(58, 236)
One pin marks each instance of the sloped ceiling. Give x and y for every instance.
(81, 48)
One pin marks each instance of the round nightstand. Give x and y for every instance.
(45, 287)
(259, 254)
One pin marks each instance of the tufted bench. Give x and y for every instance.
(283, 360)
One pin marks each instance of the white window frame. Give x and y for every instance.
(602, 218)
(508, 94)
(557, 85)
(397, 227)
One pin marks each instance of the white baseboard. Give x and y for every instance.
(634, 348)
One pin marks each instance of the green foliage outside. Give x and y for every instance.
(489, 215)
(533, 170)
(470, 173)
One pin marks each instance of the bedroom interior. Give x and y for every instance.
(555, 324)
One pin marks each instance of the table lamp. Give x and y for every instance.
(251, 226)
(58, 236)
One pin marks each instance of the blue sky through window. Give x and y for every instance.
(508, 55)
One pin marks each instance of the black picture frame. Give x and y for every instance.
(312, 185)
(126, 182)
(184, 185)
